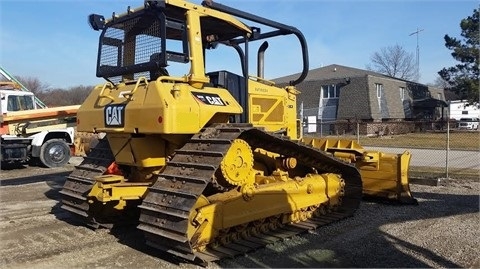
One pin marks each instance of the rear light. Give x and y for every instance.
(113, 169)
(3, 129)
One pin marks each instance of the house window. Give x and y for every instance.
(379, 88)
(465, 112)
(402, 93)
(330, 91)
(439, 96)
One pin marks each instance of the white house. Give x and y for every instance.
(462, 109)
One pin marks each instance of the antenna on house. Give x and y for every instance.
(418, 52)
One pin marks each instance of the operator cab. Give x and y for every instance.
(175, 35)
(146, 42)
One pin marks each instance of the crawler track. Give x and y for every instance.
(81, 180)
(165, 210)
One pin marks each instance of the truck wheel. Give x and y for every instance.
(54, 153)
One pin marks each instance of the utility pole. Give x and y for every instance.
(418, 53)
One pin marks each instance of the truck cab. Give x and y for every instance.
(11, 101)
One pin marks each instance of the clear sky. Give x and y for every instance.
(51, 40)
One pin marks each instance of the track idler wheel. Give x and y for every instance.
(237, 165)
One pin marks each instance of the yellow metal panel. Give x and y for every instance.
(145, 151)
(160, 107)
(197, 69)
(276, 114)
(149, 151)
(205, 11)
(269, 200)
(173, 103)
(273, 108)
(119, 146)
(113, 188)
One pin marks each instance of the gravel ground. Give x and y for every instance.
(443, 231)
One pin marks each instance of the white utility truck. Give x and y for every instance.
(30, 131)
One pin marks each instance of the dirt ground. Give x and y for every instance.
(442, 231)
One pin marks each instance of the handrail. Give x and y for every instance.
(175, 79)
(129, 95)
(102, 95)
(262, 80)
(283, 29)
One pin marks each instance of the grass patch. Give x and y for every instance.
(439, 172)
(458, 140)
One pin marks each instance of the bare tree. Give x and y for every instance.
(33, 84)
(440, 83)
(62, 97)
(55, 96)
(78, 94)
(394, 61)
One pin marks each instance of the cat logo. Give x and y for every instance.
(209, 98)
(114, 115)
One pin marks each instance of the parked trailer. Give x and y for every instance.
(463, 109)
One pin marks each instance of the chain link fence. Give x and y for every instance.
(440, 149)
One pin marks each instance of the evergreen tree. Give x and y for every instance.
(463, 77)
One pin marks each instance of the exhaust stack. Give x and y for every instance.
(261, 59)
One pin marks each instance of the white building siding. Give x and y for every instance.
(461, 109)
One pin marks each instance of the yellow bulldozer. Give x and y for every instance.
(210, 164)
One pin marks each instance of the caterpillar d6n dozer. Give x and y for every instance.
(208, 164)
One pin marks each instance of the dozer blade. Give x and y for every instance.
(384, 175)
(387, 178)
(84, 142)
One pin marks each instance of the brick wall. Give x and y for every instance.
(374, 128)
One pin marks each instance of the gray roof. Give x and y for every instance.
(358, 96)
(333, 71)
